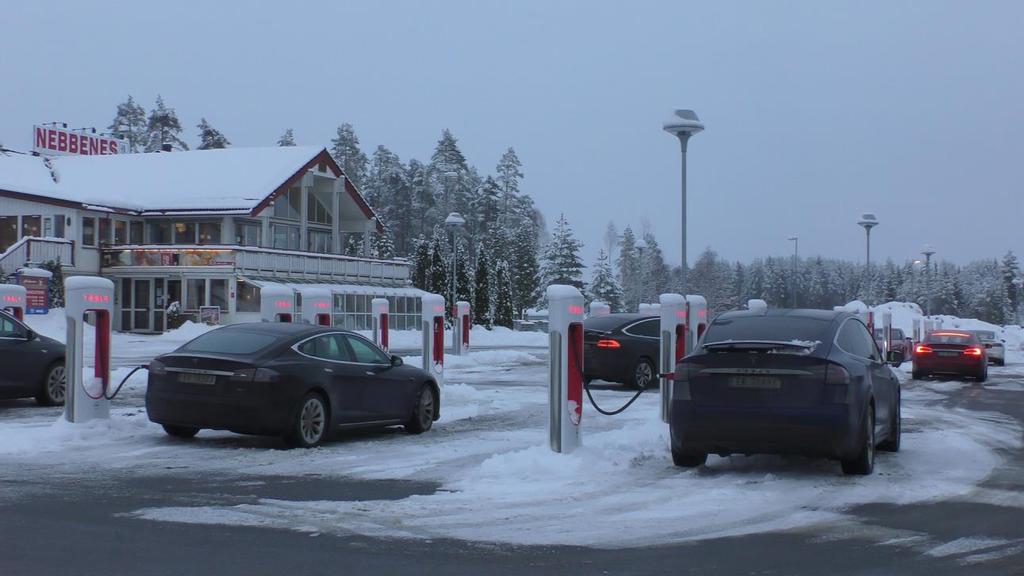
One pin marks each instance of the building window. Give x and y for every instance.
(209, 233)
(286, 237)
(136, 233)
(120, 232)
(219, 294)
(88, 231)
(32, 226)
(319, 241)
(195, 294)
(58, 226)
(159, 232)
(104, 231)
(289, 204)
(8, 231)
(248, 297)
(318, 209)
(184, 232)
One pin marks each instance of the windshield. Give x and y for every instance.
(772, 328)
(230, 342)
(985, 335)
(949, 338)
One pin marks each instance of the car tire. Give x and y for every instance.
(423, 414)
(685, 459)
(864, 462)
(983, 374)
(643, 374)
(1001, 362)
(892, 443)
(180, 431)
(917, 375)
(310, 423)
(54, 386)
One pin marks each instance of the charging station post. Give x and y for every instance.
(565, 366)
(277, 303)
(461, 325)
(379, 307)
(886, 334)
(317, 306)
(86, 396)
(432, 310)
(598, 308)
(12, 299)
(697, 317)
(674, 328)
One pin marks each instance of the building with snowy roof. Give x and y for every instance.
(204, 228)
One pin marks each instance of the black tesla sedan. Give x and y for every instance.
(298, 381)
(621, 348)
(31, 365)
(808, 382)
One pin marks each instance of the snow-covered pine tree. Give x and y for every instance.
(130, 124)
(421, 264)
(286, 139)
(210, 137)
(463, 272)
(654, 273)
(448, 172)
(383, 247)
(56, 290)
(423, 209)
(482, 313)
(629, 270)
(524, 269)
(775, 292)
(438, 271)
(487, 205)
(561, 263)
(509, 171)
(502, 295)
(1010, 269)
(603, 286)
(163, 128)
(346, 152)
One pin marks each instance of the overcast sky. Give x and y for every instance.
(815, 111)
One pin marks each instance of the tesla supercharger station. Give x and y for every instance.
(317, 305)
(379, 307)
(277, 304)
(598, 308)
(460, 328)
(886, 334)
(86, 393)
(869, 319)
(673, 344)
(757, 305)
(565, 363)
(697, 317)
(643, 308)
(916, 331)
(929, 327)
(433, 335)
(12, 299)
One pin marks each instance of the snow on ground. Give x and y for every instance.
(500, 482)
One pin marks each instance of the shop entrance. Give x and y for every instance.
(140, 309)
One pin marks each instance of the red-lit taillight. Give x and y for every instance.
(973, 351)
(608, 343)
(922, 349)
(836, 374)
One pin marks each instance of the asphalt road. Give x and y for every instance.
(62, 524)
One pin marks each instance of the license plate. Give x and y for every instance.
(759, 382)
(190, 378)
(949, 353)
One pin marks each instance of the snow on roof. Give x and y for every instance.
(225, 179)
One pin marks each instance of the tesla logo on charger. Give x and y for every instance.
(283, 304)
(322, 305)
(575, 309)
(13, 299)
(96, 298)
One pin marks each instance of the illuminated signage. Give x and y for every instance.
(323, 305)
(574, 309)
(12, 299)
(681, 314)
(283, 303)
(51, 140)
(97, 298)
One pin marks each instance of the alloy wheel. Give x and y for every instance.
(311, 420)
(56, 384)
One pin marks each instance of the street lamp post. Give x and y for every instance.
(454, 222)
(928, 251)
(868, 221)
(683, 125)
(796, 257)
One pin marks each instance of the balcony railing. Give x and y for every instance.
(32, 251)
(266, 262)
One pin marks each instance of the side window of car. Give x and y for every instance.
(647, 328)
(365, 352)
(855, 339)
(8, 329)
(327, 347)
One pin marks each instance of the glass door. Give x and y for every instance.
(142, 301)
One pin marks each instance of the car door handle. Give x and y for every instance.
(371, 373)
(328, 370)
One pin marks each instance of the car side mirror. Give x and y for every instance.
(396, 361)
(896, 357)
(30, 334)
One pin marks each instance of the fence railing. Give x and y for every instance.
(32, 251)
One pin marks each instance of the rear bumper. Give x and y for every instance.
(949, 365)
(828, 430)
(251, 413)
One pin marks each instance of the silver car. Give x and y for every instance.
(995, 346)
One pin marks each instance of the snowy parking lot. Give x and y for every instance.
(497, 482)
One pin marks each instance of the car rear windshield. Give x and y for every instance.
(230, 342)
(985, 335)
(948, 338)
(603, 323)
(777, 328)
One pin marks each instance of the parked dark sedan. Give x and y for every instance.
(298, 381)
(955, 352)
(32, 364)
(785, 382)
(621, 348)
